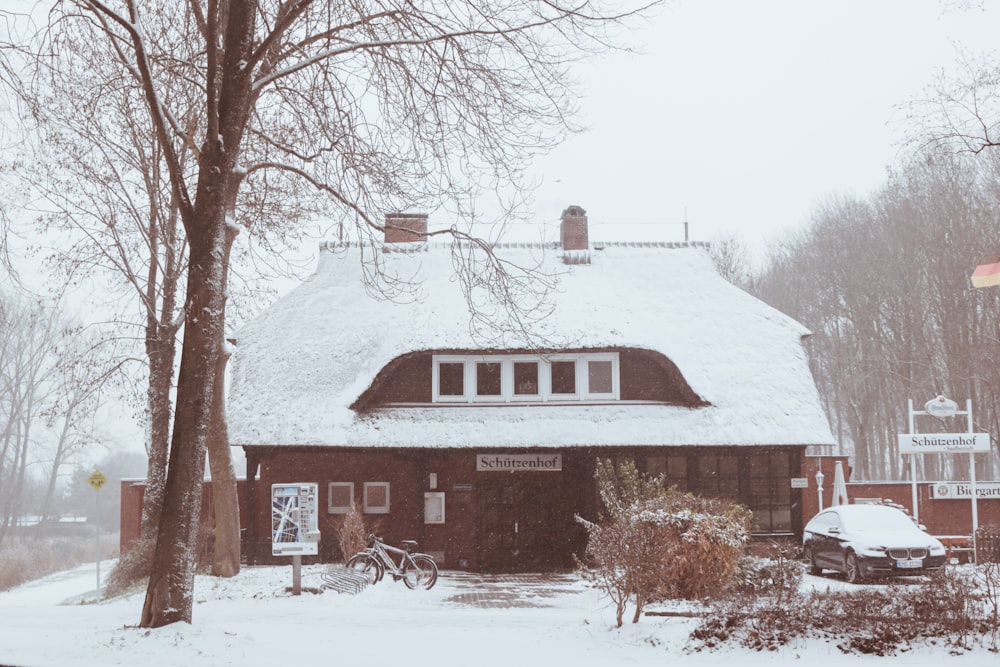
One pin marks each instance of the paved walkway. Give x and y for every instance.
(498, 591)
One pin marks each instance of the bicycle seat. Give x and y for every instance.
(409, 545)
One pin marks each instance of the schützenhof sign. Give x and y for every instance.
(522, 462)
(917, 443)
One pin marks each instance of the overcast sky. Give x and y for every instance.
(743, 115)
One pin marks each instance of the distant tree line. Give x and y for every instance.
(52, 375)
(883, 282)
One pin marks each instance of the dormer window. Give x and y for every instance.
(526, 378)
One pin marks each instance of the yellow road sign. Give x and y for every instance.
(97, 480)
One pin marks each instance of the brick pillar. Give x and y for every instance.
(405, 227)
(573, 231)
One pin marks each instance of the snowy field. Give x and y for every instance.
(251, 620)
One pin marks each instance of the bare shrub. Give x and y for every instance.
(988, 544)
(778, 577)
(132, 568)
(948, 608)
(351, 532)
(991, 596)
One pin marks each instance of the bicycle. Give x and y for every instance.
(417, 570)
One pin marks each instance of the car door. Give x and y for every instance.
(825, 540)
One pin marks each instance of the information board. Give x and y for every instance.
(294, 519)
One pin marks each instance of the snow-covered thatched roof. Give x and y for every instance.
(300, 365)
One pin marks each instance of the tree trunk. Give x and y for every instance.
(170, 590)
(160, 350)
(226, 555)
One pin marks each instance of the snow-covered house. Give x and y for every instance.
(484, 452)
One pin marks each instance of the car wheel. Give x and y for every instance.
(852, 569)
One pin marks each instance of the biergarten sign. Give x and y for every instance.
(963, 490)
(919, 443)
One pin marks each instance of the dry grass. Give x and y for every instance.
(24, 559)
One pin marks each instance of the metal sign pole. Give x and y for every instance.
(913, 467)
(97, 558)
(972, 481)
(97, 480)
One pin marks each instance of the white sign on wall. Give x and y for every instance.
(918, 443)
(963, 490)
(518, 462)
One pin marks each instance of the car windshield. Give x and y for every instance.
(877, 518)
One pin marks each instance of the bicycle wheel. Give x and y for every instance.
(366, 565)
(420, 571)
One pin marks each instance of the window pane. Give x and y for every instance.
(770, 491)
(341, 496)
(487, 379)
(377, 497)
(599, 374)
(728, 466)
(677, 472)
(451, 379)
(656, 465)
(526, 378)
(563, 377)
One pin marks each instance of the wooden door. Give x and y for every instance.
(516, 528)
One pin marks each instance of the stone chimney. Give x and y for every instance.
(573, 231)
(405, 227)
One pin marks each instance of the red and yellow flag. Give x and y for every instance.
(987, 271)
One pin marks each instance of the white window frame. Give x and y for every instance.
(436, 379)
(377, 509)
(544, 362)
(338, 509)
(583, 373)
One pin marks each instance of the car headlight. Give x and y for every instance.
(936, 550)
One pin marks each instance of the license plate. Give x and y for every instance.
(909, 563)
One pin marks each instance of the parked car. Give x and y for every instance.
(868, 541)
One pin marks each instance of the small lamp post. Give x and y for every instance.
(819, 488)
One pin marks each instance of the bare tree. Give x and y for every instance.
(733, 260)
(97, 180)
(380, 106)
(83, 369)
(883, 283)
(48, 376)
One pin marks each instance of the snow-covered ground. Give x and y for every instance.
(252, 620)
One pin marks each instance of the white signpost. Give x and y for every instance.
(295, 525)
(949, 443)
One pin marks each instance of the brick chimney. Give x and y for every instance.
(405, 227)
(573, 231)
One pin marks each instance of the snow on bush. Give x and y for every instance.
(655, 543)
(954, 609)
